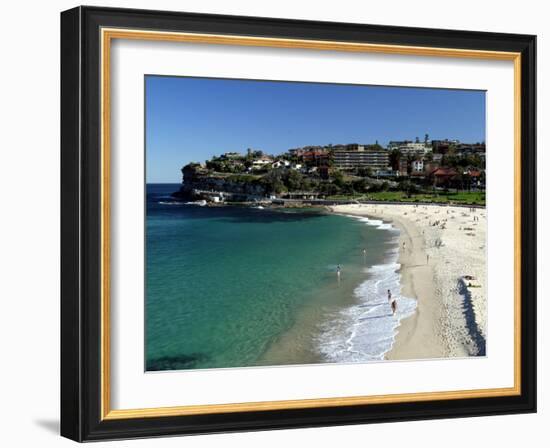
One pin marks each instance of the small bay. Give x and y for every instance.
(236, 286)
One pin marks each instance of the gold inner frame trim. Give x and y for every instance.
(107, 35)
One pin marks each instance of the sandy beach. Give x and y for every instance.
(443, 266)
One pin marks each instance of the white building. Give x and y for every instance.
(407, 147)
(261, 162)
(414, 148)
(418, 165)
(280, 164)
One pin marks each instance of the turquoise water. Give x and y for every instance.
(224, 283)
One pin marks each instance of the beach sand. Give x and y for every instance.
(451, 315)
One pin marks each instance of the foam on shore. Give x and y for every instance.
(445, 244)
(366, 331)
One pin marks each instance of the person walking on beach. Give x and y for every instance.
(394, 306)
(389, 296)
(338, 270)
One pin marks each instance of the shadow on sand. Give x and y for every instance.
(470, 317)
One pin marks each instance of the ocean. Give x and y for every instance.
(240, 287)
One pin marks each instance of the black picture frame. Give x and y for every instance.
(81, 224)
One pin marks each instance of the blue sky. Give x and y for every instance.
(192, 119)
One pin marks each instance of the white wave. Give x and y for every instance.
(170, 202)
(378, 223)
(200, 203)
(366, 331)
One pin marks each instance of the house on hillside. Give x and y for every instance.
(280, 164)
(417, 166)
(315, 158)
(476, 178)
(261, 162)
(443, 177)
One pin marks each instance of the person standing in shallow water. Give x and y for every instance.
(394, 306)
(392, 302)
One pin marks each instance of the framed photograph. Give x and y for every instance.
(273, 223)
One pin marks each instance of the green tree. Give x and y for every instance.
(293, 180)
(449, 160)
(395, 159)
(337, 177)
(361, 186)
(375, 147)
(329, 188)
(410, 159)
(273, 182)
(410, 188)
(364, 172)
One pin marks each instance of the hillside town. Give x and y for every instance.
(409, 170)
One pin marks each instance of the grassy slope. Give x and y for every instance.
(475, 198)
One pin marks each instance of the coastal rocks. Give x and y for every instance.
(198, 183)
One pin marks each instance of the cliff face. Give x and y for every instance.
(198, 184)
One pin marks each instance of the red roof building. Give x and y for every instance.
(443, 176)
(474, 173)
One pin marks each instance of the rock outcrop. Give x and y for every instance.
(198, 183)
